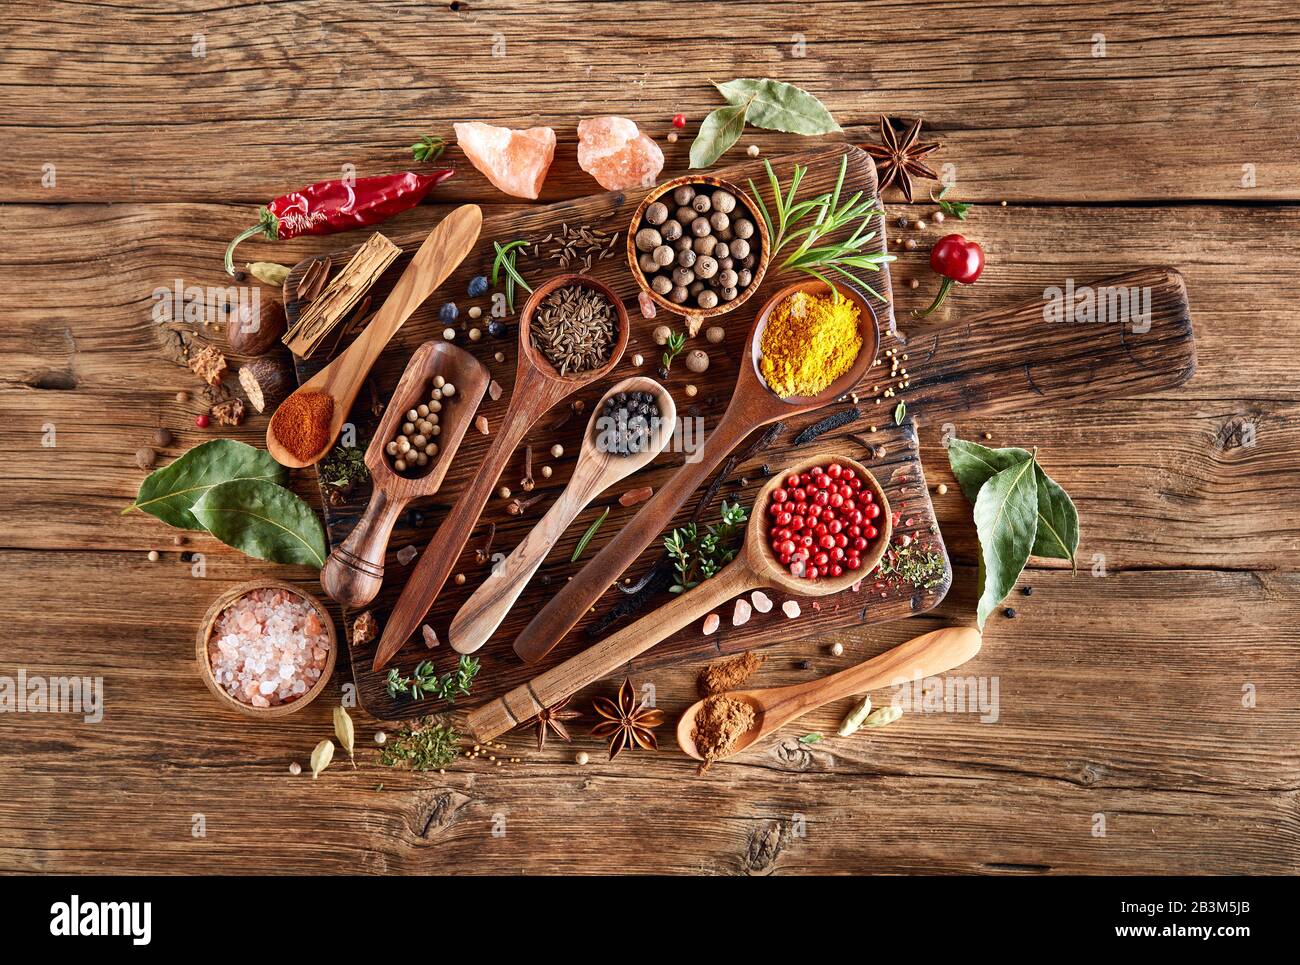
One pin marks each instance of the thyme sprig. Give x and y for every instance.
(673, 348)
(425, 682)
(428, 148)
(698, 556)
(809, 223)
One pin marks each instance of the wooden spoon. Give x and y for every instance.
(354, 571)
(755, 566)
(752, 405)
(595, 471)
(538, 386)
(931, 653)
(444, 249)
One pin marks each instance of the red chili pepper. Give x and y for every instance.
(329, 206)
(956, 259)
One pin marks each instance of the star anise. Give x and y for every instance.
(626, 723)
(552, 719)
(898, 158)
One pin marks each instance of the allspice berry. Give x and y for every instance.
(162, 437)
(145, 457)
(715, 334)
(697, 360)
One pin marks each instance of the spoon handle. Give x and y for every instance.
(931, 653)
(602, 659)
(483, 612)
(564, 609)
(354, 572)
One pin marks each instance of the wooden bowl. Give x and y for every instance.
(205, 665)
(539, 362)
(695, 316)
(764, 561)
(868, 330)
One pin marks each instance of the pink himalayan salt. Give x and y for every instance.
(268, 647)
(514, 161)
(615, 152)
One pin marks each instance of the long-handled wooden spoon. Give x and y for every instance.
(444, 249)
(753, 404)
(354, 571)
(595, 471)
(755, 566)
(538, 386)
(931, 653)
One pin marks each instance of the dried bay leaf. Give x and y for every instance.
(170, 493)
(718, 132)
(1006, 519)
(321, 757)
(263, 520)
(777, 106)
(345, 732)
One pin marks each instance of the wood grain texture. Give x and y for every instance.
(1121, 695)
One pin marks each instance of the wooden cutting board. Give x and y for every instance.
(996, 362)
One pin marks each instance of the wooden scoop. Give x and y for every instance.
(931, 653)
(538, 386)
(754, 567)
(595, 471)
(354, 571)
(444, 249)
(753, 404)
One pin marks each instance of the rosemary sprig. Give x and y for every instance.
(676, 342)
(808, 225)
(425, 682)
(697, 557)
(505, 261)
(586, 537)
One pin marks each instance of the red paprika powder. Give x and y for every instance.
(302, 424)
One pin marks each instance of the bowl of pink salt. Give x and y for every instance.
(266, 648)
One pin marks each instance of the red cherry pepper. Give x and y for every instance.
(329, 206)
(955, 259)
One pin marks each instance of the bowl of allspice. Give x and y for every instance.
(698, 247)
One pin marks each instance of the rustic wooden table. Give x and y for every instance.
(1149, 708)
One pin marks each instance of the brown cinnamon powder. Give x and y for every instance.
(718, 725)
(302, 423)
(728, 674)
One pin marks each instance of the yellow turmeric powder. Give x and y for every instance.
(809, 342)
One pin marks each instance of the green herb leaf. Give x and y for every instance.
(428, 148)
(812, 738)
(974, 465)
(170, 492)
(778, 106)
(719, 131)
(321, 757)
(263, 520)
(900, 411)
(586, 537)
(1006, 519)
(1058, 520)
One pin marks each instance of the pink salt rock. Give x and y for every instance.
(615, 152)
(514, 161)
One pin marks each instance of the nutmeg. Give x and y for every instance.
(256, 337)
(266, 382)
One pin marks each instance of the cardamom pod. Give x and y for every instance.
(268, 272)
(855, 718)
(321, 757)
(883, 716)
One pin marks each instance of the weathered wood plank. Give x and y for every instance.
(1115, 104)
(1140, 719)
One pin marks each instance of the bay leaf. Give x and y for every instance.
(1058, 520)
(718, 132)
(1006, 519)
(321, 757)
(171, 492)
(777, 106)
(345, 732)
(263, 520)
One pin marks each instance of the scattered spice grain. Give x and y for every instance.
(728, 674)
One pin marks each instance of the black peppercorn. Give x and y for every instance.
(1009, 613)
(1027, 590)
(496, 329)
(804, 664)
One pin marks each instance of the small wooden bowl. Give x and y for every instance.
(205, 665)
(537, 361)
(695, 316)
